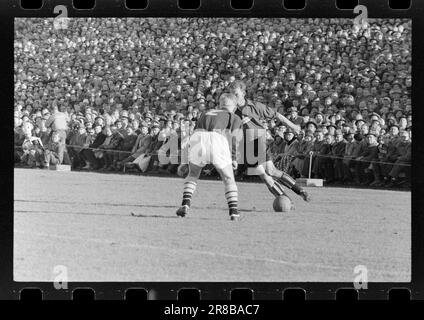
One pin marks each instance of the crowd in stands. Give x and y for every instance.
(106, 94)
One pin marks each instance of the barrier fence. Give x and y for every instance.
(283, 155)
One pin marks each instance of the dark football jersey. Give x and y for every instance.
(215, 120)
(253, 112)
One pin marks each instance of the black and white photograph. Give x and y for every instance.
(212, 149)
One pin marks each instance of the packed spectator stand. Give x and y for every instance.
(107, 93)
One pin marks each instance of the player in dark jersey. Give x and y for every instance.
(209, 145)
(251, 113)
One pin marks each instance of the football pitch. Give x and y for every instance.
(83, 221)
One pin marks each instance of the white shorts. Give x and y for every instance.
(209, 148)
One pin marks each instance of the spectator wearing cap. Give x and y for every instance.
(140, 147)
(311, 126)
(364, 174)
(318, 143)
(392, 146)
(294, 116)
(304, 148)
(32, 148)
(338, 151)
(403, 162)
(324, 164)
(155, 145)
(277, 146)
(126, 145)
(87, 154)
(382, 168)
(290, 150)
(78, 141)
(111, 147)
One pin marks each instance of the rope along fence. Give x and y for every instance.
(284, 163)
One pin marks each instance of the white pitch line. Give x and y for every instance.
(191, 251)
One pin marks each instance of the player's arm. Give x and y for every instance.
(287, 122)
(269, 113)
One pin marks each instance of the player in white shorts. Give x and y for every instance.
(209, 145)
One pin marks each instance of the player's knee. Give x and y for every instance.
(270, 170)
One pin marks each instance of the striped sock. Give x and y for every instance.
(287, 180)
(231, 194)
(189, 188)
(276, 189)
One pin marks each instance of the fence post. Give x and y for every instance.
(310, 164)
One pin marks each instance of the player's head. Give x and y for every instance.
(228, 101)
(238, 88)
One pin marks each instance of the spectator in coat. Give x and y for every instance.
(126, 145)
(305, 147)
(53, 151)
(403, 162)
(363, 170)
(88, 155)
(338, 152)
(140, 147)
(32, 148)
(111, 147)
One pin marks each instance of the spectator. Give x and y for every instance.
(32, 148)
(338, 151)
(140, 147)
(87, 154)
(363, 163)
(404, 158)
(53, 151)
(126, 145)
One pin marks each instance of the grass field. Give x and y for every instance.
(83, 221)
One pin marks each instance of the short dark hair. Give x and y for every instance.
(238, 84)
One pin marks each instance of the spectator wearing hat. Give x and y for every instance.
(88, 155)
(304, 148)
(111, 147)
(351, 151)
(290, 151)
(32, 148)
(77, 142)
(126, 146)
(155, 145)
(318, 143)
(277, 145)
(403, 161)
(140, 147)
(364, 173)
(338, 151)
(381, 168)
(294, 116)
(311, 126)
(324, 164)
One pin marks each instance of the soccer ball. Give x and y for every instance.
(182, 170)
(282, 204)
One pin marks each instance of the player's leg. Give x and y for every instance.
(190, 184)
(286, 180)
(231, 191)
(273, 186)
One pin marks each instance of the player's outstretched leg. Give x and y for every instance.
(273, 186)
(231, 192)
(286, 180)
(190, 184)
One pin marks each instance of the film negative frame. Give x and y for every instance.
(10, 9)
